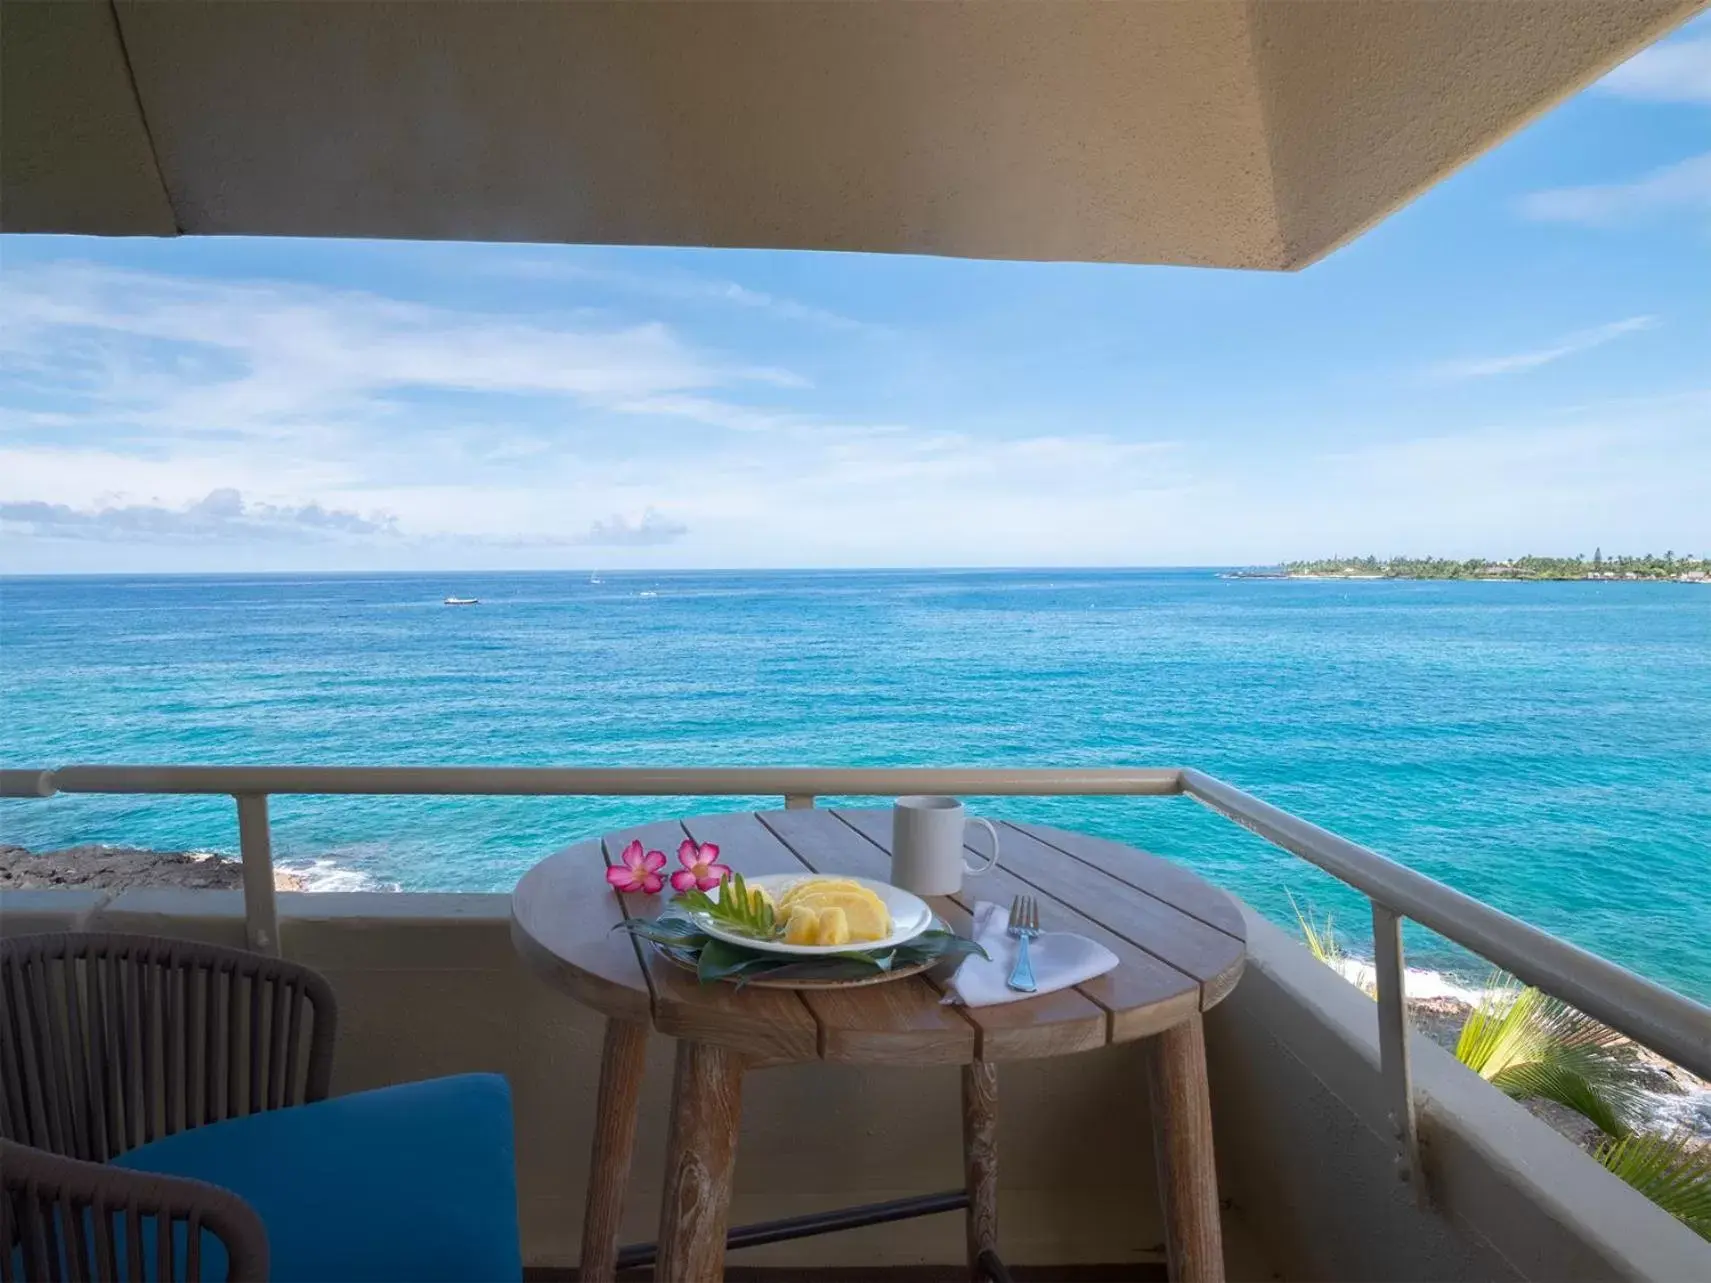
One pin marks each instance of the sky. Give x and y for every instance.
(1519, 361)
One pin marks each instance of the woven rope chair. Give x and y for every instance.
(135, 1226)
(110, 1041)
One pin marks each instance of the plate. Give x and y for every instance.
(679, 958)
(910, 916)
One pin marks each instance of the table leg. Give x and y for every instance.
(623, 1058)
(700, 1160)
(980, 1158)
(1182, 1149)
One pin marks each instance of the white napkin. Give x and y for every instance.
(1060, 960)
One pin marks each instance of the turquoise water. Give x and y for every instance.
(1546, 747)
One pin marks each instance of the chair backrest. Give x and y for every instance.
(109, 1041)
(67, 1219)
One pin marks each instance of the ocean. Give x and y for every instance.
(1543, 746)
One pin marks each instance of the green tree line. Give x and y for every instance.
(1649, 566)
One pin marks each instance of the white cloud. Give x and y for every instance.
(1674, 71)
(258, 359)
(220, 515)
(618, 531)
(1683, 186)
(129, 397)
(1516, 362)
(1629, 471)
(922, 497)
(678, 287)
(715, 413)
(101, 476)
(126, 398)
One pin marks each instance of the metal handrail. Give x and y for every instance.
(605, 781)
(1668, 1023)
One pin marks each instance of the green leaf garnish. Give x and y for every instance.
(722, 960)
(673, 928)
(737, 910)
(678, 934)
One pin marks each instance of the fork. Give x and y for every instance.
(1024, 925)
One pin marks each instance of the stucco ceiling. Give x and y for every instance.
(1231, 133)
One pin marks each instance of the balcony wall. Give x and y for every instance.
(1305, 1142)
(428, 985)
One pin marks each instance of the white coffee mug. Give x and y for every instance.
(926, 845)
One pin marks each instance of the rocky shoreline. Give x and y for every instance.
(124, 868)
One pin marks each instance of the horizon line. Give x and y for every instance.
(782, 570)
(632, 570)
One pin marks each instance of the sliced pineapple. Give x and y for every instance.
(806, 908)
(814, 886)
(834, 927)
(832, 911)
(802, 927)
(864, 911)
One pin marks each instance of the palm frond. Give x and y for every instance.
(1566, 1026)
(1529, 1044)
(1499, 1030)
(1321, 940)
(1612, 1108)
(1673, 1171)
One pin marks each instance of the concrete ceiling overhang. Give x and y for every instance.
(1228, 133)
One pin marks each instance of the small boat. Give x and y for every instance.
(463, 601)
(595, 578)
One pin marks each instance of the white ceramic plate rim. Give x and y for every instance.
(910, 916)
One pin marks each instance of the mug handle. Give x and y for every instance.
(992, 860)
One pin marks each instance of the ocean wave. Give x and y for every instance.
(1690, 1111)
(327, 875)
(1421, 985)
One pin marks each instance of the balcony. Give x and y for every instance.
(1234, 135)
(1314, 1086)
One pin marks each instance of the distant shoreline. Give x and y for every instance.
(1599, 569)
(1476, 578)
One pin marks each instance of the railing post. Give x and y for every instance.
(261, 912)
(799, 801)
(1393, 1027)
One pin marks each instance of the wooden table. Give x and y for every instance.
(1181, 942)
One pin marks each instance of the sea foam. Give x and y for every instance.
(326, 875)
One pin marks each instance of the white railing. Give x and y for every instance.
(1670, 1024)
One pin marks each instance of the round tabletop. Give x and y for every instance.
(1181, 944)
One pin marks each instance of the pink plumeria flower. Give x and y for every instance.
(638, 871)
(701, 867)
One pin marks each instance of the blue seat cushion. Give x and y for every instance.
(411, 1183)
